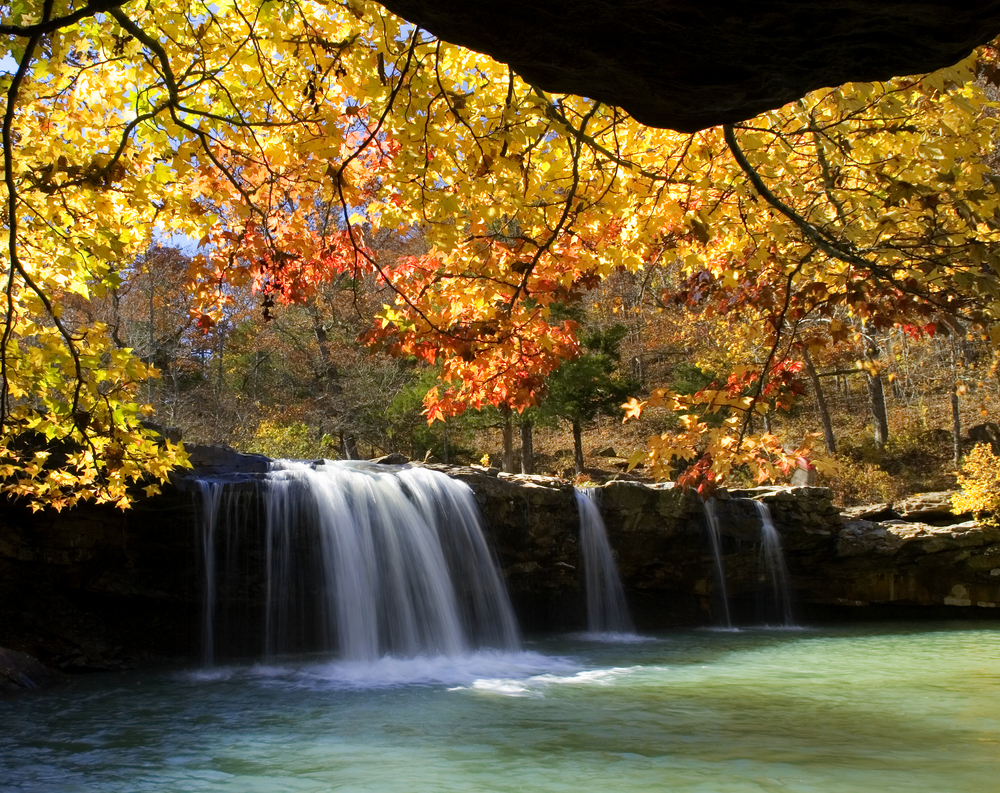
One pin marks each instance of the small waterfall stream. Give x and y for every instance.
(772, 570)
(607, 611)
(211, 495)
(360, 559)
(773, 567)
(715, 538)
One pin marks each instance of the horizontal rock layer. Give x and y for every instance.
(97, 588)
(686, 65)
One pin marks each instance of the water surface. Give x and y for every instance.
(902, 708)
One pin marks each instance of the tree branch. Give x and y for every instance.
(41, 28)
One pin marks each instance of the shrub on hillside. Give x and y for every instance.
(979, 483)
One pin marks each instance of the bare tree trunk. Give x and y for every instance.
(956, 418)
(577, 446)
(824, 410)
(956, 426)
(527, 448)
(221, 333)
(876, 392)
(876, 399)
(348, 446)
(327, 365)
(152, 333)
(508, 439)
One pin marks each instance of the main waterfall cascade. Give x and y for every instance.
(360, 559)
(607, 611)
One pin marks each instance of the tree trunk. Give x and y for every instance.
(876, 393)
(348, 446)
(577, 446)
(152, 333)
(527, 448)
(876, 400)
(956, 426)
(508, 440)
(327, 365)
(221, 338)
(956, 418)
(824, 410)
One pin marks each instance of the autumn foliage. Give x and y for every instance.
(285, 137)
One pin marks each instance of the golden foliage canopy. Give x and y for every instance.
(281, 135)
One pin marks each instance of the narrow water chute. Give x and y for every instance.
(715, 540)
(607, 610)
(772, 565)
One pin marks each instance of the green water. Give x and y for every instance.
(898, 708)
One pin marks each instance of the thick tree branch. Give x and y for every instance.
(41, 28)
(766, 368)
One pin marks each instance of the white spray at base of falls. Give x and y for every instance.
(772, 564)
(607, 611)
(360, 559)
(715, 539)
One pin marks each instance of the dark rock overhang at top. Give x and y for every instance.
(692, 64)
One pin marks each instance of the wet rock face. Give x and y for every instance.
(95, 588)
(21, 672)
(687, 65)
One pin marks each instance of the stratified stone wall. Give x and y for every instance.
(94, 587)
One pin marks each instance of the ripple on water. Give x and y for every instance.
(846, 710)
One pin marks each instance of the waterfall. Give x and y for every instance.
(715, 538)
(211, 493)
(607, 611)
(772, 564)
(360, 559)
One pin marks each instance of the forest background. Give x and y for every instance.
(314, 230)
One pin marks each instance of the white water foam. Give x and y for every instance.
(612, 637)
(462, 671)
(535, 686)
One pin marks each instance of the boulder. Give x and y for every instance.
(870, 512)
(395, 458)
(986, 433)
(20, 672)
(689, 65)
(219, 459)
(932, 507)
(172, 434)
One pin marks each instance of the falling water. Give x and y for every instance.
(358, 558)
(607, 611)
(772, 564)
(715, 537)
(211, 493)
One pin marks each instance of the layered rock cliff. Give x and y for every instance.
(96, 588)
(687, 66)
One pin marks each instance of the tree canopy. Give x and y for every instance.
(284, 137)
